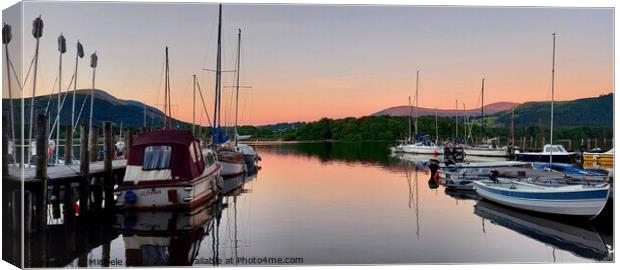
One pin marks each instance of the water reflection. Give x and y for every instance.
(579, 238)
(165, 238)
(326, 208)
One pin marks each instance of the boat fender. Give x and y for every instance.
(130, 197)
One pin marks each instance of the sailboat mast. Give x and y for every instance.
(482, 113)
(218, 74)
(417, 79)
(194, 105)
(552, 100)
(166, 93)
(410, 115)
(456, 119)
(436, 128)
(237, 84)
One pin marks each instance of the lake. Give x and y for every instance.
(345, 203)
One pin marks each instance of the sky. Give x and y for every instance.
(305, 62)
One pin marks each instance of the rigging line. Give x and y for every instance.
(204, 106)
(62, 105)
(50, 98)
(19, 83)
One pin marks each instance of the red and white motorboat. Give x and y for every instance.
(166, 169)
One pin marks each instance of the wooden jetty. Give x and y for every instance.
(63, 172)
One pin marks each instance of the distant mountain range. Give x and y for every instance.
(106, 108)
(587, 112)
(488, 109)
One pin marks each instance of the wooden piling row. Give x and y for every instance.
(84, 168)
(108, 179)
(69, 145)
(92, 145)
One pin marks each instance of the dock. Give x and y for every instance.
(62, 172)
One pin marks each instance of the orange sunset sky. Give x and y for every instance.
(307, 62)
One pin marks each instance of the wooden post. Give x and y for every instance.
(41, 170)
(107, 149)
(108, 180)
(589, 144)
(69, 145)
(604, 143)
(5, 147)
(92, 144)
(128, 142)
(595, 142)
(84, 168)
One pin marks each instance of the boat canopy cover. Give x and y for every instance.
(184, 157)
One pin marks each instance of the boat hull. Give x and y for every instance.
(230, 169)
(542, 157)
(169, 196)
(585, 203)
(487, 152)
(429, 150)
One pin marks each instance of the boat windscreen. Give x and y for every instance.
(157, 157)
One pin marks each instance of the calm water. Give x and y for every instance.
(346, 204)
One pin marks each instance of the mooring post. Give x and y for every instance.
(41, 170)
(108, 178)
(5, 147)
(69, 145)
(128, 142)
(84, 168)
(92, 144)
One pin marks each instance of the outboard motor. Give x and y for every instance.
(433, 164)
(493, 175)
(458, 154)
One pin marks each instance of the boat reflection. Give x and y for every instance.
(462, 194)
(173, 238)
(165, 238)
(579, 238)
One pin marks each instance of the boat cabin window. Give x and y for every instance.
(555, 148)
(157, 157)
(194, 152)
(209, 159)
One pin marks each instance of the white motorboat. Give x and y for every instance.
(571, 200)
(556, 153)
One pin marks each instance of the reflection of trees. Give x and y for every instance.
(364, 153)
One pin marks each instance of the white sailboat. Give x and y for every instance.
(232, 162)
(425, 146)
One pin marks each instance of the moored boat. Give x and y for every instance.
(571, 200)
(232, 162)
(167, 170)
(555, 153)
(576, 237)
(599, 159)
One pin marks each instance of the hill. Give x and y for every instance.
(488, 109)
(589, 112)
(107, 108)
